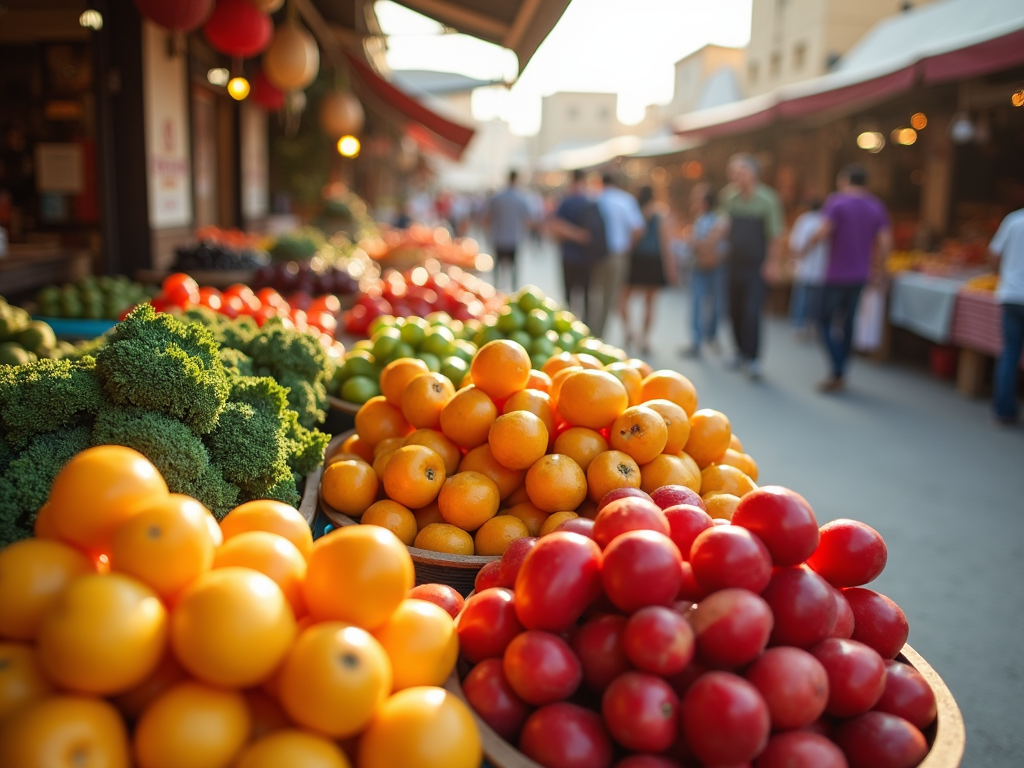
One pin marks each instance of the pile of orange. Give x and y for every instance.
(136, 631)
(514, 452)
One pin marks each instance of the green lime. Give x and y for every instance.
(363, 344)
(359, 389)
(591, 344)
(550, 305)
(563, 321)
(464, 350)
(537, 361)
(456, 327)
(341, 374)
(566, 340)
(542, 345)
(385, 341)
(488, 334)
(538, 322)
(579, 330)
(511, 318)
(359, 366)
(438, 341)
(616, 354)
(384, 321)
(439, 318)
(433, 361)
(470, 328)
(521, 337)
(414, 331)
(601, 355)
(403, 350)
(529, 297)
(454, 368)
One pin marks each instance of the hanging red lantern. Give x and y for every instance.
(266, 94)
(236, 28)
(267, 6)
(176, 15)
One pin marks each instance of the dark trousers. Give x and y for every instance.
(577, 280)
(1004, 396)
(746, 295)
(838, 311)
(505, 264)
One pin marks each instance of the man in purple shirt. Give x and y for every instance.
(857, 229)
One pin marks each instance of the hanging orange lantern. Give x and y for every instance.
(176, 15)
(292, 60)
(341, 114)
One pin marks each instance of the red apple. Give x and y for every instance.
(513, 559)
(628, 514)
(441, 595)
(487, 576)
(580, 525)
(621, 493)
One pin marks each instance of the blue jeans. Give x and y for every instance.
(708, 288)
(839, 302)
(1004, 397)
(804, 304)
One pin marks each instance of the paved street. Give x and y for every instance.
(902, 452)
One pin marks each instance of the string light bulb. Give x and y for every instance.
(91, 19)
(238, 88)
(348, 146)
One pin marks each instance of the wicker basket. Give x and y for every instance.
(946, 736)
(458, 571)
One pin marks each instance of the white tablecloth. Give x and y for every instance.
(924, 304)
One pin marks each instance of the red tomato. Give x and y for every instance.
(599, 647)
(441, 595)
(803, 605)
(730, 556)
(488, 576)
(908, 695)
(641, 712)
(844, 616)
(487, 624)
(488, 692)
(877, 621)
(782, 519)
(244, 292)
(232, 306)
(620, 493)
(565, 735)
(628, 514)
(689, 589)
(881, 740)
(646, 761)
(675, 495)
(659, 640)
(541, 668)
(641, 568)
(732, 627)
(724, 719)
(557, 581)
(180, 290)
(210, 300)
(512, 560)
(685, 523)
(800, 749)
(326, 303)
(856, 676)
(849, 553)
(794, 686)
(270, 297)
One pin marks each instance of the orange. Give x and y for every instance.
(734, 443)
(393, 516)
(98, 490)
(439, 444)
(581, 445)
(21, 680)
(555, 520)
(232, 627)
(587, 361)
(610, 470)
(533, 517)
(534, 401)
(556, 482)
(640, 432)
(380, 463)
(377, 419)
(423, 727)
(468, 416)
(742, 461)
(676, 422)
(273, 517)
(592, 399)
(427, 515)
(630, 378)
(539, 380)
(709, 436)
(468, 500)
(104, 634)
(556, 363)
(349, 486)
(443, 537)
(292, 748)
(500, 368)
(518, 496)
(355, 444)
(669, 385)
(358, 574)
(669, 470)
(518, 439)
(271, 555)
(387, 445)
(267, 715)
(65, 732)
(44, 527)
(165, 546)
(467, 380)
(725, 479)
(397, 375)
(342, 456)
(33, 574)
(194, 725)
(721, 505)
(414, 476)
(641, 365)
(134, 701)
(482, 460)
(334, 679)
(421, 642)
(424, 398)
(558, 379)
(496, 534)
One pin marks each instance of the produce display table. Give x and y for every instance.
(977, 331)
(29, 267)
(924, 304)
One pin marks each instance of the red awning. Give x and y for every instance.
(976, 60)
(426, 126)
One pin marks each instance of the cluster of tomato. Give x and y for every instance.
(657, 637)
(243, 644)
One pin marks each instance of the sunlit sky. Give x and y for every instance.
(622, 46)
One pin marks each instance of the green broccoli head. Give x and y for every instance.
(214, 492)
(155, 362)
(305, 446)
(248, 447)
(236, 362)
(308, 399)
(284, 490)
(238, 333)
(173, 448)
(6, 454)
(46, 396)
(262, 393)
(282, 350)
(11, 529)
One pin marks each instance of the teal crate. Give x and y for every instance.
(77, 328)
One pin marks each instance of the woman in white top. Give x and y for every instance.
(812, 265)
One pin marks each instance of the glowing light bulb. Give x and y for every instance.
(919, 120)
(91, 19)
(238, 88)
(348, 146)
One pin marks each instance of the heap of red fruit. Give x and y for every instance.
(655, 636)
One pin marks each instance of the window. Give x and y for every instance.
(799, 56)
(776, 64)
(752, 71)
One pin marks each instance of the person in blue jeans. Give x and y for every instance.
(1007, 248)
(708, 279)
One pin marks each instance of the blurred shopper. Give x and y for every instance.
(624, 222)
(1008, 248)
(580, 228)
(709, 250)
(857, 231)
(508, 220)
(754, 226)
(812, 263)
(651, 266)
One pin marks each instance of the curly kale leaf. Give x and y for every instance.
(236, 362)
(305, 446)
(248, 447)
(46, 396)
(307, 399)
(282, 350)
